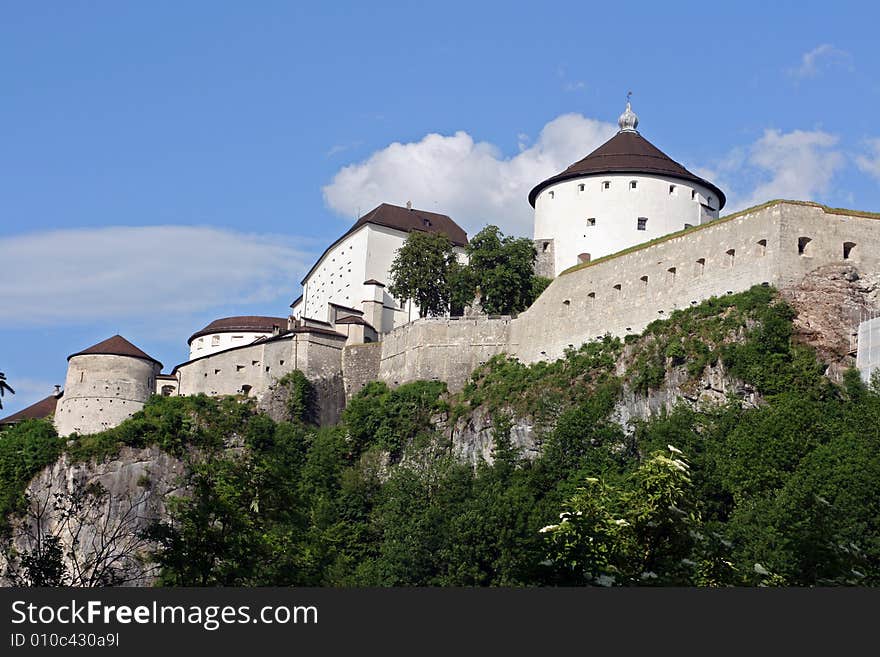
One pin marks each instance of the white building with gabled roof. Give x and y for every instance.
(350, 278)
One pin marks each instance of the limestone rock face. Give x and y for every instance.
(830, 301)
(103, 531)
(473, 438)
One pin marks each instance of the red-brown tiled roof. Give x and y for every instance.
(115, 346)
(404, 220)
(43, 408)
(627, 152)
(246, 323)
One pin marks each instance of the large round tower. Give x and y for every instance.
(105, 384)
(626, 192)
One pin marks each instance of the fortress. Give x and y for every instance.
(627, 234)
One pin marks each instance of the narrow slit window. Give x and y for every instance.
(551, 194)
(581, 187)
(699, 267)
(731, 254)
(672, 189)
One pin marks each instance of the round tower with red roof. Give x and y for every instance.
(105, 384)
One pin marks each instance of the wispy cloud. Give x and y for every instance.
(471, 181)
(123, 272)
(336, 149)
(819, 59)
(800, 164)
(870, 163)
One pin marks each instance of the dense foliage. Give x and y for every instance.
(25, 449)
(421, 271)
(499, 272)
(778, 493)
(501, 268)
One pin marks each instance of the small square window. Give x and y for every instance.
(633, 184)
(591, 222)
(581, 187)
(606, 185)
(642, 223)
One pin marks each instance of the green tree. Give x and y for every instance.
(421, 272)
(502, 269)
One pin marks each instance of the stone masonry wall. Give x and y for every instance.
(360, 365)
(441, 348)
(102, 390)
(777, 244)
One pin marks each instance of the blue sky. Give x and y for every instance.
(167, 163)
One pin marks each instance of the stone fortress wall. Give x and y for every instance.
(102, 390)
(441, 349)
(778, 243)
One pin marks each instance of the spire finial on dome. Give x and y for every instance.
(628, 121)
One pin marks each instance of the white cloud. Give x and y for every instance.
(121, 272)
(470, 181)
(819, 59)
(796, 165)
(870, 164)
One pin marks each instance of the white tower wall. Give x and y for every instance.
(563, 212)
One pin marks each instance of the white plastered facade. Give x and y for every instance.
(602, 214)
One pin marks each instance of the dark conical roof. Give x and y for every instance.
(115, 346)
(627, 152)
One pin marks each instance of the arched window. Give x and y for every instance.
(761, 248)
(848, 250)
(617, 290)
(804, 246)
(699, 266)
(731, 254)
(670, 275)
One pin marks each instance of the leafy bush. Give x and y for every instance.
(25, 449)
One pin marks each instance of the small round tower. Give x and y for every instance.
(624, 193)
(105, 384)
